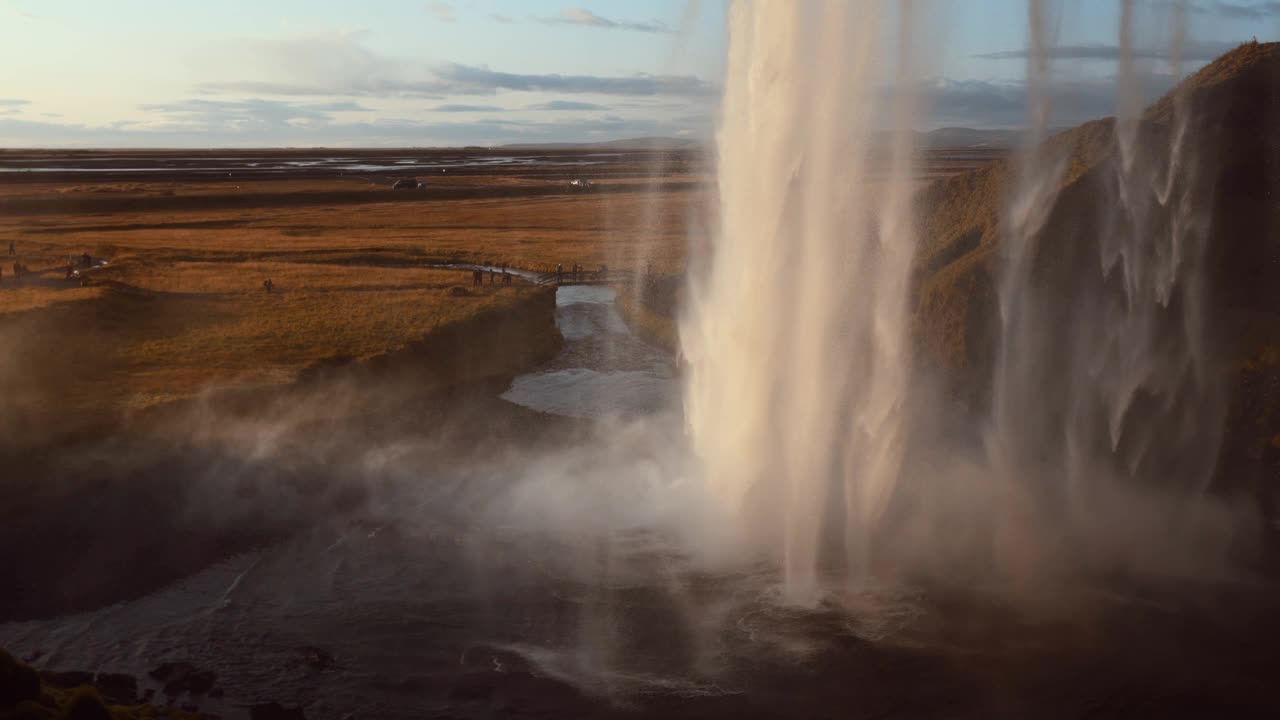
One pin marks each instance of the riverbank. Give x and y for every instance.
(209, 468)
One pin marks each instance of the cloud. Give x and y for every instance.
(1240, 10)
(986, 104)
(12, 106)
(567, 105)
(467, 108)
(340, 106)
(325, 64)
(206, 128)
(501, 19)
(443, 11)
(15, 8)
(471, 79)
(245, 115)
(338, 65)
(1100, 51)
(586, 18)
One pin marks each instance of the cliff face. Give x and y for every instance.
(1229, 177)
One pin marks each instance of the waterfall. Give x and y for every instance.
(797, 332)
(797, 336)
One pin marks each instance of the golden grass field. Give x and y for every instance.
(622, 228)
(180, 305)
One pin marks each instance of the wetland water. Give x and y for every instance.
(603, 369)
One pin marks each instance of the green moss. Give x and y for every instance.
(85, 704)
(18, 682)
(23, 697)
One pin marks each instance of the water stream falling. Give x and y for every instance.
(1105, 381)
(797, 337)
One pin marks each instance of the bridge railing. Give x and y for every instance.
(592, 277)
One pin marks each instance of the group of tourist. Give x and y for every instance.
(477, 275)
(19, 268)
(86, 261)
(578, 273)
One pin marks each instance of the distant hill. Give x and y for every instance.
(960, 137)
(948, 137)
(643, 143)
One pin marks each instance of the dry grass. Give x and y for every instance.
(23, 298)
(181, 306)
(152, 332)
(215, 331)
(622, 229)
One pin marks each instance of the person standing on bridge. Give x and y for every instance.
(559, 273)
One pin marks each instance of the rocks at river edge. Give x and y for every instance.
(117, 688)
(180, 677)
(114, 688)
(66, 679)
(27, 693)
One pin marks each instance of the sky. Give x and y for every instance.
(421, 73)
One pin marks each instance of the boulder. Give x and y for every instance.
(180, 677)
(117, 688)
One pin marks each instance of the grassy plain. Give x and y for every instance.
(180, 306)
